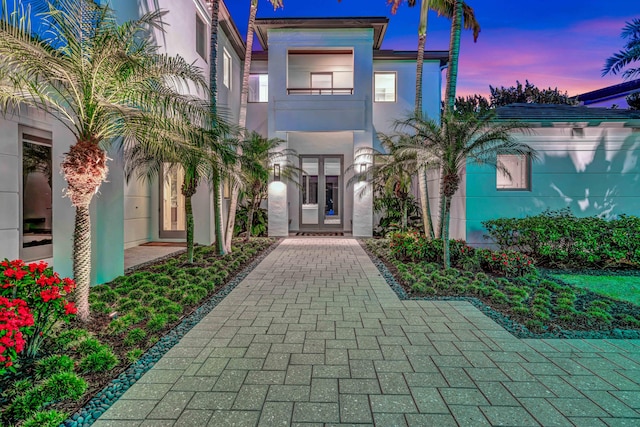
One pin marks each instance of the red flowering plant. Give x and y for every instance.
(15, 316)
(45, 294)
(506, 263)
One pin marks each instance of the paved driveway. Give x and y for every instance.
(315, 336)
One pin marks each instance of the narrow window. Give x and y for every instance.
(37, 202)
(518, 168)
(258, 88)
(385, 87)
(201, 37)
(226, 69)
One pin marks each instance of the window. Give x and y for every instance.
(519, 170)
(201, 37)
(385, 87)
(226, 69)
(37, 212)
(258, 88)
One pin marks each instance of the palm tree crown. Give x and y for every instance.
(629, 55)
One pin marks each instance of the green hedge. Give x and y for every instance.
(560, 239)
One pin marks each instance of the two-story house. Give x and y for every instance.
(326, 88)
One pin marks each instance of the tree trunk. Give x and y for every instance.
(422, 40)
(188, 190)
(454, 53)
(217, 213)
(424, 203)
(445, 232)
(82, 261)
(244, 97)
(213, 55)
(250, 219)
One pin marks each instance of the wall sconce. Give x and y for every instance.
(276, 172)
(363, 167)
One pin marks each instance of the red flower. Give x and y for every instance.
(70, 308)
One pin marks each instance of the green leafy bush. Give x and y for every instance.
(88, 346)
(558, 238)
(506, 263)
(135, 354)
(135, 336)
(157, 322)
(101, 361)
(51, 365)
(51, 418)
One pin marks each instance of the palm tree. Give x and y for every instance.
(460, 12)
(260, 154)
(630, 53)
(102, 81)
(244, 98)
(216, 177)
(389, 174)
(459, 139)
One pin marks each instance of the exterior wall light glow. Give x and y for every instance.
(276, 172)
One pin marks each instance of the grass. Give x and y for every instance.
(622, 288)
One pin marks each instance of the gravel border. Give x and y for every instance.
(516, 329)
(118, 386)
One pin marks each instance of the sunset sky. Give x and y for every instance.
(560, 43)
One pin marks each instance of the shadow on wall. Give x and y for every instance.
(602, 181)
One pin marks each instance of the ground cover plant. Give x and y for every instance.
(506, 281)
(129, 315)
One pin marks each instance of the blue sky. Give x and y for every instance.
(560, 43)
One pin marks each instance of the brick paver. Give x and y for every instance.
(315, 336)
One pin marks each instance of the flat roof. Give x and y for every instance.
(378, 24)
(553, 113)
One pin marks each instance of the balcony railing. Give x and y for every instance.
(319, 91)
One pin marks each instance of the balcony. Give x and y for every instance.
(320, 72)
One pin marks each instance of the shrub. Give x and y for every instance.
(64, 385)
(558, 238)
(88, 346)
(34, 299)
(51, 418)
(71, 338)
(506, 263)
(101, 361)
(51, 365)
(157, 322)
(135, 354)
(135, 336)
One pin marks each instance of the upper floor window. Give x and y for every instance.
(258, 88)
(320, 72)
(519, 172)
(226, 69)
(385, 87)
(201, 37)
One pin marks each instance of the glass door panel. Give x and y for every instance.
(333, 205)
(173, 222)
(310, 166)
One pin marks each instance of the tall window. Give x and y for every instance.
(226, 69)
(201, 37)
(258, 88)
(37, 212)
(385, 87)
(519, 171)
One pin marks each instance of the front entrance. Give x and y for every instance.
(321, 193)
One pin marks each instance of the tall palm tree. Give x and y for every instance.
(459, 139)
(244, 98)
(460, 13)
(102, 81)
(630, 54)
(260, 154)
(216, 177)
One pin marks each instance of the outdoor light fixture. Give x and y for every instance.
(363, 167)
(276, 172)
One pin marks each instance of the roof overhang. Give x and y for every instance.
(378, 24)
(231, 31)
(411, 55)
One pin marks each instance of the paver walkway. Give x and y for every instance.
(314, 335)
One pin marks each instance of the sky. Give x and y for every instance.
(551, 43)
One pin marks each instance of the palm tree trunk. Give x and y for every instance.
(422, 40)
(250, 218)
(445, 232)
(244, 97)
(454, 53)
(189, 219)
(424, 203)
(82, 260)
(217, 213)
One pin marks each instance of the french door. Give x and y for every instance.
(322, 201)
